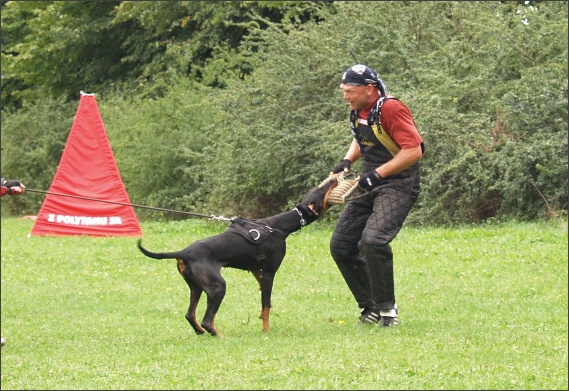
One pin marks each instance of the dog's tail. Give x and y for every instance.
(157, 255)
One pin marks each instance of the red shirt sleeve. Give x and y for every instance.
(397, 121)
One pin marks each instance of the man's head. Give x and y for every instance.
(361, 86)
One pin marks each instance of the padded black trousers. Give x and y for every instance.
(360, 244)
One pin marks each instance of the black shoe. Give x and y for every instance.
(369, 315)
(388, 317)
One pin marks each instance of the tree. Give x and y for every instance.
(63, 47)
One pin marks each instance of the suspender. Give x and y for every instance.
(384, 138)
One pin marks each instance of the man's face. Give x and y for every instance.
(359, 97)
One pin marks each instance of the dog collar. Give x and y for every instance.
(302, 220)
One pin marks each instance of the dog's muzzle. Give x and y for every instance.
(315, 199)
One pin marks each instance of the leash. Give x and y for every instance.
(219, 218)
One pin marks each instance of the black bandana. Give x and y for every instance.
(362, 75)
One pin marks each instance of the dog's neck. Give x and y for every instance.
(289, 222)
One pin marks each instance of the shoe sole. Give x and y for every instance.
(387, 321)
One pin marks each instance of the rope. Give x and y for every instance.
(220, 218)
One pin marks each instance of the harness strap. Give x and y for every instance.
(255, 233)
(260, 257)
(378, 130)
(380, 133)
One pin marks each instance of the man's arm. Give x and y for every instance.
(353, 153)
(404, 159)
(351, 156)
(11, 187)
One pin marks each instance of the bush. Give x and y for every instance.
(486, 83)
(33, 140)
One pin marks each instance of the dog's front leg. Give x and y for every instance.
(258, 276)
(265, 317)
(266, 289)
(264, 310)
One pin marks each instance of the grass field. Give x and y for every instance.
(480, 308)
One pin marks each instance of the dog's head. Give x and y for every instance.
(316, 198)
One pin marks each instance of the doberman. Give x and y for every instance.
(258, 246)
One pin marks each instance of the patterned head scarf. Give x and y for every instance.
(362, 75)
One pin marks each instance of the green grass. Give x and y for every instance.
(480, 308)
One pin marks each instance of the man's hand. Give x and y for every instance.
(344, 165)
(370, 180)
(13, 187)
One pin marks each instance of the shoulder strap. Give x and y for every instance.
(381, 134)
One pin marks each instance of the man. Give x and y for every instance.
(388, 142)
(11, 187)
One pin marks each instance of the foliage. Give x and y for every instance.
(60, 47)
(247, 125)
(511, 115)
(467, 118)
(32, 144)
(159, 145)
(49, 47)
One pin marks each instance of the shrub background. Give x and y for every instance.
(253, 124)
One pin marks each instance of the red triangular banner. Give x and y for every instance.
(87, 169)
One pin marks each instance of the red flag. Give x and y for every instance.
(87, 169)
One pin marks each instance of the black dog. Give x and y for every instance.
(258, 246)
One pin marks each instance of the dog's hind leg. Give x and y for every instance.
(195, 294)
(215, 294)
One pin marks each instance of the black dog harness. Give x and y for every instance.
(255, 233)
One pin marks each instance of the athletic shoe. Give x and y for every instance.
(2, 342)
(369, 315)
(388, 317)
